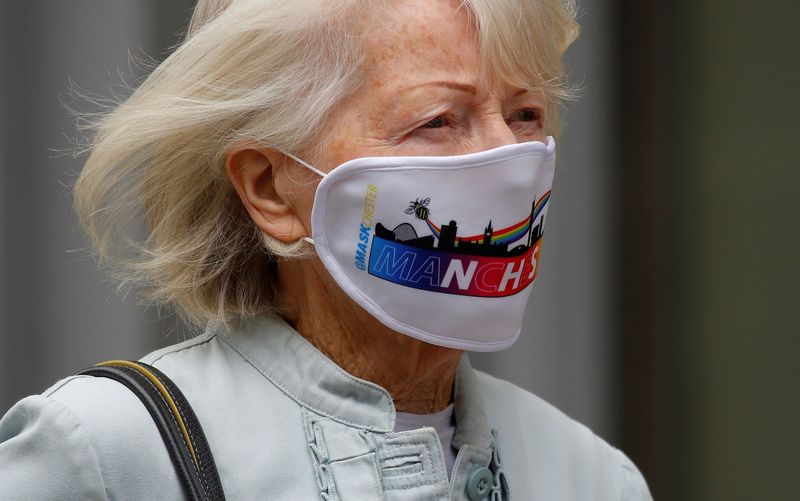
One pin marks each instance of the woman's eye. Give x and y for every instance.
(526, 115)
(435, 123)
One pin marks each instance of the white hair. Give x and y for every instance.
(153, 195)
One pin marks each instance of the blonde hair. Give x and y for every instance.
(153, 195)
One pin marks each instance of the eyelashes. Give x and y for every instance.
(521, 119)
(436, 123)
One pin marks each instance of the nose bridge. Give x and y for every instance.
(494, 132)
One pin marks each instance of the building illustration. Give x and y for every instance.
(495, 243)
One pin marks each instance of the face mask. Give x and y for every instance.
(443, 249)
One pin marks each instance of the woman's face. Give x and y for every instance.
(422, 94)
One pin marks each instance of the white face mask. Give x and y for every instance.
(443, 249)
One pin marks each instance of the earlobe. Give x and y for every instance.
(253, 173)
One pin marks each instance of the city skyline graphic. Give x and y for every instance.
(492, 242)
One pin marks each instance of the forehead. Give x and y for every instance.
(416, 40)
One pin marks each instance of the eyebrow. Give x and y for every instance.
(463, 87)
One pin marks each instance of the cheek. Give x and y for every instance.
(340, 147)
(538, 136)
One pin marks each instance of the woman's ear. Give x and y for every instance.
(253, 173)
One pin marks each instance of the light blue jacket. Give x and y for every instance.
(285, 423)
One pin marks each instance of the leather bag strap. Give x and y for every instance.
(176, 422)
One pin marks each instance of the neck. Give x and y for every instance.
(419, 376)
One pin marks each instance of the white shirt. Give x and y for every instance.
(443, 422)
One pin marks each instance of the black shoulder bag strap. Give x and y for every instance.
(176, 421)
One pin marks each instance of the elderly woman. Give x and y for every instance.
(348, 194)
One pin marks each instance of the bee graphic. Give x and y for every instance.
(419, 208)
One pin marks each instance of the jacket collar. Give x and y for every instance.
(314, 381)
(472, 427)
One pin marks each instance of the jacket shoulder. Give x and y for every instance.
(87, 438)
(121, 432)
(117, 432)
(551, 453)
(45, 453)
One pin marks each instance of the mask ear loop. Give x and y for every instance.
(315, 171)
(307, 165)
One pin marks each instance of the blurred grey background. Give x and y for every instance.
(665, 313)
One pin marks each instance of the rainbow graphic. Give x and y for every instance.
(450, 273)
(503, 236)
(478, 265)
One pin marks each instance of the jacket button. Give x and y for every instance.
(480, 483)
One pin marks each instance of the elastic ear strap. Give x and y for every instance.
(315, 171)
(307, 165)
